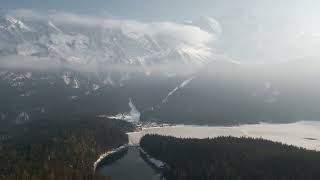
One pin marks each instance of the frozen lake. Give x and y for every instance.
(303, 134)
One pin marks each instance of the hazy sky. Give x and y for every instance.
(267, 30)
(175, 9)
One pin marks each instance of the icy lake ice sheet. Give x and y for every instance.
(302, 134)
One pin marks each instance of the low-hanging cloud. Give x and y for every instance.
(183, 33)
(29, 62)
(50, 64)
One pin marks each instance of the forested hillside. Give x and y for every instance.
(232, 158)
(58, 150)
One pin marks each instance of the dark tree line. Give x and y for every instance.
(231, 158)
(59, 150)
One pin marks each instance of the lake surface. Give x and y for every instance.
(131, 166)
(303, 134)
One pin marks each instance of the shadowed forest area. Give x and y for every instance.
(232, 158)
(58, 150)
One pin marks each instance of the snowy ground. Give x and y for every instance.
(155, 162)
(109, 153)
(303, 134)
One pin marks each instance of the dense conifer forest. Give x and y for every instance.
(231, 158)
(58, 150)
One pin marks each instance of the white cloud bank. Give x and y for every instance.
(183, 33)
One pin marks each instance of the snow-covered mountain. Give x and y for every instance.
(55, 69)
(48, 67)
(100, 45)
(62, 65)
(44, 53)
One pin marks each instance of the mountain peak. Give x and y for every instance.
(11, 23)
(53, 27)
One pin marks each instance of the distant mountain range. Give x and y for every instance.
(77, 62)
(100, 45)
(62, 70)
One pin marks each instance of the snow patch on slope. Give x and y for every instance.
(181, 86)
(109, 153)
(54, 27)
(22, 118)
(76, 84)
(13, 24)
(155, 162)
(133, 116)
(66, 78)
